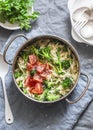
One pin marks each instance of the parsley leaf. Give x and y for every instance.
(17, 11)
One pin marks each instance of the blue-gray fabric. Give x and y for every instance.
(54, 19)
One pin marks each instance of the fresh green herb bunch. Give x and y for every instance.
(17, 11)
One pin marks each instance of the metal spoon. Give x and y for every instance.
(3, 72)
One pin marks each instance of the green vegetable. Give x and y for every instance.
(45, 53)
(32, 72)
(25, 91)
(41, 52)
(24, 55)
(67, 82)
(20, 84)
(52, 97)
(58, 62)
(34, 15)
(16, 11)
(48, 84)
(60, 72)
(34, 50)
(58, 54)
(65, 64)
(42, 97)
(17, 74)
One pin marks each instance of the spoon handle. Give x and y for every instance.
(8, 113)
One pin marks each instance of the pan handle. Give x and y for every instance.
(9, 43)
(84, 91)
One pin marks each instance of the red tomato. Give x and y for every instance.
(44, 75)
(33, 91)
(48, 72)
(32, 82)
(32, 59)
(31, 88)
(47, 66)
(39, 88)
(40, 68)
(27, 81)
(39, 63)
(37, 78)
(29, 66)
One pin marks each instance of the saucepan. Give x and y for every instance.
(60, 83)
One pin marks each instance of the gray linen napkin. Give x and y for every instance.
(54, 19)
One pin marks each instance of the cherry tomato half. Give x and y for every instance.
(32, 59)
